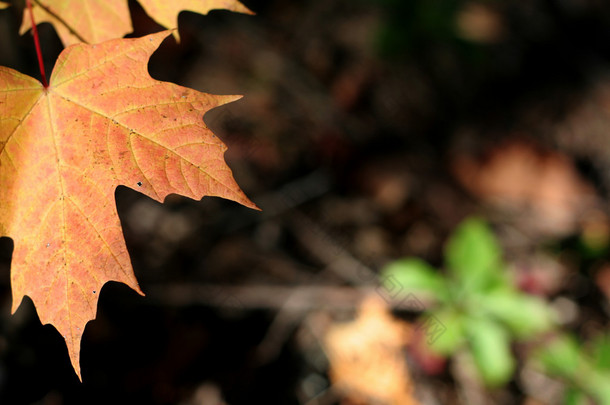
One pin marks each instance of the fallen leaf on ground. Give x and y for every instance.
(367, 357)
(519, 175)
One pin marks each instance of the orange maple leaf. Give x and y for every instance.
(103, 121)
(94, 21)
(166, 12)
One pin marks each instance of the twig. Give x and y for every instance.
(298, 298)
(301, 298)
(326, 249)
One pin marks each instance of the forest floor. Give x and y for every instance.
(367, 132)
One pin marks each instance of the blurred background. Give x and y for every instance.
(368, 130)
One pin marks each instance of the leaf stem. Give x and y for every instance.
(37, 44)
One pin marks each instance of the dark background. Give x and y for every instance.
(355, 118)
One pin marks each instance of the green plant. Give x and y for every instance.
(475, 300)
(586, 371)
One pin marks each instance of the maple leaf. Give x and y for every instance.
(166, 12)
(102, 122)
(94, 21)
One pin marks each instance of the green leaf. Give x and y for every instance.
(523, 314)
(601, 352)
(597, 385)
(561, 357)
(574, 396)
(444, 331)
(588, 375)
(412, 275)
(473, 254)
(490, 347)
